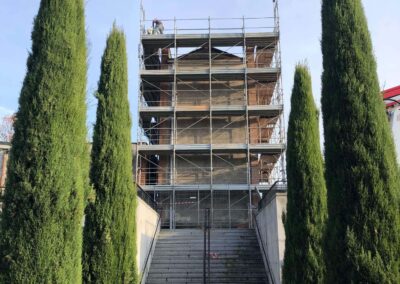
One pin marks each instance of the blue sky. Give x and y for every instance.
(300, 38)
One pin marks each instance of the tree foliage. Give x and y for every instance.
(41, 224)
(361, 171)
(306, 207)
(109, 241)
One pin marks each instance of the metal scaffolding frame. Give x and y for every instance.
(171, 64)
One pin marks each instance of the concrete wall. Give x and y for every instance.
(394, 118)
(227, 169)
(188, 172)
(272, 232)
(199, 59)
(197, 93)
(146, 228)
(226, 129)
(3, 167)
(230, 168)
(229, 129)
(192, 131)
(260, 93)
(4, 153)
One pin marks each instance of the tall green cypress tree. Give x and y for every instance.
(41, 226)
(361, 171)
(306, 207)
(109, 241)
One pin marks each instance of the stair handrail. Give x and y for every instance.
(147, 198)
(151, 249)
(206, 255)
(274, 186)
(269, 274)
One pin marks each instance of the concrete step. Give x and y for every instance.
(225, 249)
(214, 275)
(250, 254)
(214, 261)
(213, 231)
(214, 266)
(178, 257)
(215, 272)
(200, 233)
(174, 238)
(199, 276)
(184, 262)
(199, 280)
(228, 246)
(201, 241)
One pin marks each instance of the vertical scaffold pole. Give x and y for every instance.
(211, 120)
(282, 117)
(248, 175)
(142, 18)
(140, 93)
(174, 125)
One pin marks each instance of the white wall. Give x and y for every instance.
(272, 232)
(146, 229)
(394, 117)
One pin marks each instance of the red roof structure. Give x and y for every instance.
(392, 96)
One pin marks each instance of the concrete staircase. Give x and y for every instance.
(235, 257)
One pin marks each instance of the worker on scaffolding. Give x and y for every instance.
(158, 27)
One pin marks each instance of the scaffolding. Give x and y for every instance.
(210, 110)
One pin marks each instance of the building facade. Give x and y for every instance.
(392, 100)
(211, 131)
(4, 154)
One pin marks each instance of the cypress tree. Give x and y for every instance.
(361, 171)
(41, 226)
(109, 241)
(306, 206)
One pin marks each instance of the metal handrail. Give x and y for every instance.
(273, 186)
(214, 24)
(217, 19)
(147, 198)
(151, 248)
(207, 249)
(268, 127)
(220, 65)
(269, 275)
(273, 140)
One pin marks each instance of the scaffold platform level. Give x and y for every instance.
(260, 74)
(195, 187)
(270, 148)
(221, 39)
(263, 110)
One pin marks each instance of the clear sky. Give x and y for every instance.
(300, 38)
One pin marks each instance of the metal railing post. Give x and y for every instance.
(207, 247)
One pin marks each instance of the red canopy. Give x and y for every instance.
(391, 94)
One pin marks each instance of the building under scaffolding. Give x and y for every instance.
(211, 130)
